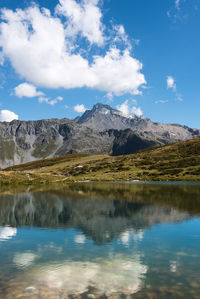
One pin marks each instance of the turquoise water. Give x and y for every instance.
(101, 240)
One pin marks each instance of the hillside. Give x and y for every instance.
(174, 162)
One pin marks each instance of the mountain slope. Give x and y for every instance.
(176, 162)
(127, 142)
(103, 117)
(22, 141)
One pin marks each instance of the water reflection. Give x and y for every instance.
(101, 220)
(99, 240)
(7, 233)
(24, 260)
(106, 276)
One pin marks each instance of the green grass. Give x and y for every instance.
(173, 162)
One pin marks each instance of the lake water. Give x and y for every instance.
(101, 241)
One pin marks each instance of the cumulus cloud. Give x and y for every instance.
(49, 101)
(80, 108)
(171, 82)
(82, 18)
(124, 107)
(118, 72)
(27, 90)
(26, 40)
(127, 110)
(6, 115)
(137, 111)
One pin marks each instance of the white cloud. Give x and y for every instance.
(26, 40)
(137, 111)
(161, 102)
(127, 110)
(171, 82)
(6, 115)
(117, 72)
(83, 18)
(49, 101)
(124, 108)
(121, 36)
(80, 108)
(27, 90)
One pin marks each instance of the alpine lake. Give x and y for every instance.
(101, 240)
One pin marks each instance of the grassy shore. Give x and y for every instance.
(174, 162)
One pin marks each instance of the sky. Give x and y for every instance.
(61, 57)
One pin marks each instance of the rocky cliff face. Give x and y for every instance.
(100, 130)
(103, 117)
(22, 141)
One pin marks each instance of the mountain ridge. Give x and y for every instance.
(102, 117)
(101, 130)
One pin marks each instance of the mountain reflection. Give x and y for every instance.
(95, 216)
(94, 241)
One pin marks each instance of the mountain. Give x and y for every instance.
(25, 141)
(103, 117)
(22, 141)
(102, 130)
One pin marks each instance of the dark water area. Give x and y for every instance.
(101, 241)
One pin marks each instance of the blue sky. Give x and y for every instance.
(140, 56)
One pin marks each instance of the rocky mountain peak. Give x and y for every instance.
(103, 117)
(102, 107)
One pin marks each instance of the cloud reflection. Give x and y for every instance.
(119, 274)
(24, 260)
(7, 233)
(131, 235)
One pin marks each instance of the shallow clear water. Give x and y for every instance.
(101, 240)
